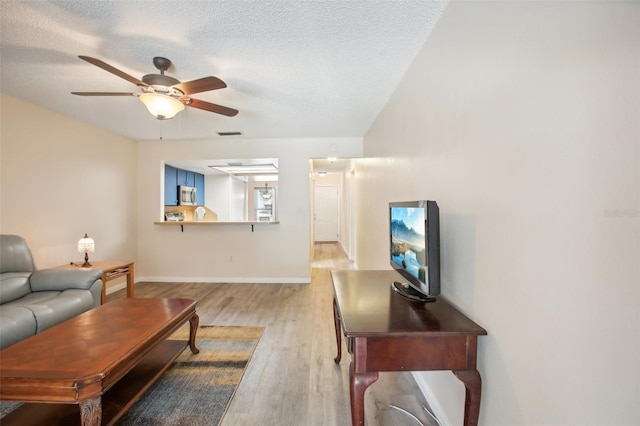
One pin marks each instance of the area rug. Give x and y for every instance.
(197, 389)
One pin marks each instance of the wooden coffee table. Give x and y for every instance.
(102, 361)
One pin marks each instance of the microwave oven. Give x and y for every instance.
(187, 196)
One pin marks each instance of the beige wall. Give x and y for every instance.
(60, 178)
(522, 120)
(272, 253)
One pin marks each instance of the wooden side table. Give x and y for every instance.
(111, 270)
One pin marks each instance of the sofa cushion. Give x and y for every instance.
(63, 278)
(53, 307)
(15, 255)
(32, 298)
(16, 323)
(14, 285)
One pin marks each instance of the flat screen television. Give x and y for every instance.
(414, 248)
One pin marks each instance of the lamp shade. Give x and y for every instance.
(162, 107)
(86, 245)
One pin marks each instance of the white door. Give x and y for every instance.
(326, 215)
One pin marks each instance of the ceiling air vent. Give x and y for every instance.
(230, 133)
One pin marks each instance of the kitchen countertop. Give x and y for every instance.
(215, 222)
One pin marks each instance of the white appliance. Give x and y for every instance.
(187, 195)
(174, 216)
(199, 213)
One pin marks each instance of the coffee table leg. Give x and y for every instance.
(91, 412)
(193, 328)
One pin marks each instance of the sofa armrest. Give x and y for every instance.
(60, 279)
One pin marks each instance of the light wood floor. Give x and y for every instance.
(292, 379)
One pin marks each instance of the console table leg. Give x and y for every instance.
(473, 385)
(193, 328)
(338, 325)
(359, 382)
(91, 412)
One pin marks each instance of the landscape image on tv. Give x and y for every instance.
(408, 240)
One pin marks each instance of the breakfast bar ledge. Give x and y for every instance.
(215, 223)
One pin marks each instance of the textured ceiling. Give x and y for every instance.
(293, 68)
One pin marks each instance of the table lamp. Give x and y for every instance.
(86, 245)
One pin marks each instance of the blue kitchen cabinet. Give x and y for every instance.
(174, 177)
(182, 177)
(170, 185)
(199, 184)
(186, 178)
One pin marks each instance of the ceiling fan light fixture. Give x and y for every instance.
(162, 107)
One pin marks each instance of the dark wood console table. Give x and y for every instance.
(387, 332)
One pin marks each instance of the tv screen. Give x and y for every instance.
(414, 250)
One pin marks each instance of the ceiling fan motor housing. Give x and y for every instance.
(160, 80)
(162, 64)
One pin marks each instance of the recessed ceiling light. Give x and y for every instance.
(244, 170)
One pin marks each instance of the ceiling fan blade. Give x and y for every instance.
(98, 63)
(103, 93)
(208, 106)
(200, 85)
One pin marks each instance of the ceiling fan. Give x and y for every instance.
(164, 96)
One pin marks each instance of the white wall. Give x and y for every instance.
(219, 253)
(227, 196)
(217, 195)
(347, 226)
(238, 200)
(60, 178)
(522, 120)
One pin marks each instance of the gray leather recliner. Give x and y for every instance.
(33, 300)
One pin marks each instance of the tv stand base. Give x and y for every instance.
(410, 293)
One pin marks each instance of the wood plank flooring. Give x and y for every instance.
(292, 379)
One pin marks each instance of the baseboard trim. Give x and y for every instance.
(214, 280)
(116, 287)
(431, 398)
